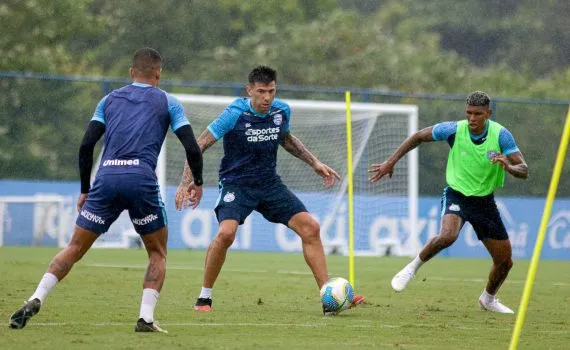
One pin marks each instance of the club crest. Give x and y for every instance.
(277, 119)
(229, 197)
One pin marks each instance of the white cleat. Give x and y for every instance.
(495, 306)
(402, 278)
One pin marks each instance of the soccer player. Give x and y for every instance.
(252, 129)
(481, 152)
(134, 119)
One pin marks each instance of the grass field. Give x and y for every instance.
(270, 301)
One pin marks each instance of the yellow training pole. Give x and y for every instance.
(350, 191)
(541, 233)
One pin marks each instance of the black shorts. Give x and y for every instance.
(273, 200)
(480, 212)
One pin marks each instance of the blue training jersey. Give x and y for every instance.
(446, 132)
(136, 119)
(251, 140)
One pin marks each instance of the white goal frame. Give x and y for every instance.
(380, 108)
(58, 200)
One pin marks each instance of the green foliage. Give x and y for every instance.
(35, 34)
(507, 48)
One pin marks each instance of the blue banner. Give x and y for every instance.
(375, 231)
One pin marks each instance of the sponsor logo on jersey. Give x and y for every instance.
(229, 197)
(247, 125)
(92, 217)
(454, 207)
(121, 162)
(491, 154)
(146, 220)
(261, 135)
(277, 119)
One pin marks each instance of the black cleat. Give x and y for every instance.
(203, 305)
(143, 326)
(19, 318)
(328, 312)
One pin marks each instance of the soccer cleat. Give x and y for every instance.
(19, 318)
(143, 326)
(203, 305)
(357, 300)
(495, 306)
(402, 278)
(328, 312)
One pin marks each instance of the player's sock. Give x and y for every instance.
(206, 293)
(486, 297)
(416, 263)
(48, 281)
(148, 303)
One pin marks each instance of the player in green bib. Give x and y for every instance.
(482, 151)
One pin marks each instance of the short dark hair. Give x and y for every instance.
(478, 98)
(262, 74)
(146, 61)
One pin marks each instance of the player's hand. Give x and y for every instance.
(80, 201)
(327, 173)
(195, 193)
(501, 159)
(188, 196)
(380, 170)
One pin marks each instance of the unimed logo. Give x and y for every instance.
(120, 162)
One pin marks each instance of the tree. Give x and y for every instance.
(40, 120)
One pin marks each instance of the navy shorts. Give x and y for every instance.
(111, 194)
(274, 201)
(480, 212)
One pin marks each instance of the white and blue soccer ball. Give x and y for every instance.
(337, 294)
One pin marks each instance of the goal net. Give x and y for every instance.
(385, 213)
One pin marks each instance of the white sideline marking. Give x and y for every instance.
(302, 325)
(434, 278)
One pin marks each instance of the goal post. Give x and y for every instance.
(385, 213)
(35, 220)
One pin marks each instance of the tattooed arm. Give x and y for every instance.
(205, 141)
(294, 146)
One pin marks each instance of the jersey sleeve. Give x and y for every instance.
(176, 111)
(442, 131)
(507, 142)
(287, 125)
(225, 121)
(99, 114)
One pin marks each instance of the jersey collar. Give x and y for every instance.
(141, 84)
(481, 135)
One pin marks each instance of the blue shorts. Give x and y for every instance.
(111, 194)
(274, 201)
(481, 212)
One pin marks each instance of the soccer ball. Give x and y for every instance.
(337, 294)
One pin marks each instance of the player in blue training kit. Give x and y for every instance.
(134, 120)
(252, 129)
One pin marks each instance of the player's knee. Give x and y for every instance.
(310, 231)
(446, 240)
(506, 264)
(226, 237)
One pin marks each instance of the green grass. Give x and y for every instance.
(271, 301)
